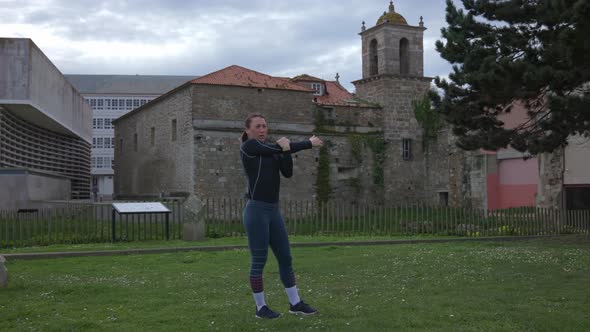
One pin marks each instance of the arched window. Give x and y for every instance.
(404, 57)
(373, 58)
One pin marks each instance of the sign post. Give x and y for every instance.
(140, 208)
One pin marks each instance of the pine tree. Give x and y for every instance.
(503, 51)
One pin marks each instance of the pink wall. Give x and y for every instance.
(492, 183)
(518, 171)
(514, 185)
(518, 115)
(517, 182)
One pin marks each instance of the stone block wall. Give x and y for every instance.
(164, 168)
(388, 38)
(235, 103)
(551, 174)
(371, 117)
(219, 171)
(404, 179)
(437, 167)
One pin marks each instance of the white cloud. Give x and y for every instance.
(177, 37)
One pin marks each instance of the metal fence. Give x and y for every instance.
(91, 223)
(84, 223)
(224, 218)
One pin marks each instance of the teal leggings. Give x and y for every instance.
(265, 227)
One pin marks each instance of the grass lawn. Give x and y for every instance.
(208, 242)
(535, 285)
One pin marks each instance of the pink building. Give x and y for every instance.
(513, 178)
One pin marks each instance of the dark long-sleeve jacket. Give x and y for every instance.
(262, 164)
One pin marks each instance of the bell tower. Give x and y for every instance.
(393, 47)
(393, 77)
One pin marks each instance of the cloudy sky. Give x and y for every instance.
(180, 37)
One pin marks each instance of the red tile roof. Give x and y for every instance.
(240, 76)
(335, 94)
(307, 78)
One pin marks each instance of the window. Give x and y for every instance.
(100, 103)
(443, 198)
(135, 142)
(577, 198)
(99, 123)
(317, 88)
(94, 142)
(121, 104)
(153, 136)
(93, 162)
(107, 142)
(108, 123)
(99, 143)
(128, 104)
(407, 149)
(373, 58)
(94, 123)
(173, 130)
(135, 103)
(404, 58)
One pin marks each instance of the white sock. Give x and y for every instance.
(259, 299)
(293, 295)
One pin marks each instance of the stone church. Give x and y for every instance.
(187, 141)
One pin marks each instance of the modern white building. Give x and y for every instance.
(45, 130)
(111, 96)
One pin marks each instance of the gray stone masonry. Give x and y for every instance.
(210, 123)
(388, 38)
(194, 228)
(437, 167)
(166, 166)
(550, 185)
(3, 273)
(219, 170)
(405, 181)
(211, 102)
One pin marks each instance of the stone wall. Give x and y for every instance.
(212, 102)
(371, 117)
(467, 178)
(218, 123)
(437, 167)
(205, 160)
(395, 94)
(164, 168)
(388, 39)
(404, 179)
(550, 186)
(219, 172)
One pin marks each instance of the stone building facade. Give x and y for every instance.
(187, 141)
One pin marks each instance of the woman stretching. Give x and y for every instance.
(262, 219)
